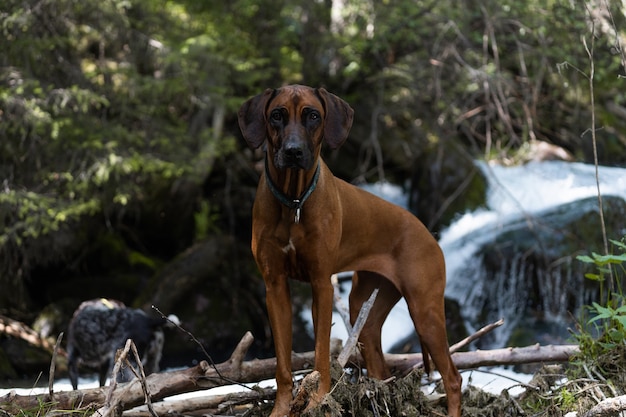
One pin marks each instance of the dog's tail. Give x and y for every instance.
(426, 359)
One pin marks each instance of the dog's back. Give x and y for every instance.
(100, 327)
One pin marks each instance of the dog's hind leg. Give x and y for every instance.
(363, 284)
(430, 323)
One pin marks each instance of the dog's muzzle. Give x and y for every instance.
(294, 154)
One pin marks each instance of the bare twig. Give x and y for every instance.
(192, 337)
(590, 78)
(478, 334)
(457, 346)
(109, 405)
(53, 361)
(141, 375)
(340, 306)
(356, 329)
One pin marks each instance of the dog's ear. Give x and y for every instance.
(251, 118)
(339, 116)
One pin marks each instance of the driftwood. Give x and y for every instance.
(221, 403)
(351, 343)
(115, 399)
(237, 371)
(609, 407)
(20, 330)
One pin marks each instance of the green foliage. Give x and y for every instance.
(205, 219)
(106, 109)
(112, 112)
(604, 328)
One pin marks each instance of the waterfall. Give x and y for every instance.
(518, 195)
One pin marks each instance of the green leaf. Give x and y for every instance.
(618, 244)
(585, 258)
(594, 277)
(622, 321)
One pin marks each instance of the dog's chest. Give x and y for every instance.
(295, 256)
(289, 248)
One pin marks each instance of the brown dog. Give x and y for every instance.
(308, 224)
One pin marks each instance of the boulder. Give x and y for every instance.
(528, 273)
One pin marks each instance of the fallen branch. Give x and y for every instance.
(340, 306)
(480, 333)
(208, 402)
(22, 331)
(609, 407)
(308, 385)
(469, 339)
(505, 356)
(352, 341)
(166, 384)
(203, 376)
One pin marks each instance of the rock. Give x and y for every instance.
(529, 273)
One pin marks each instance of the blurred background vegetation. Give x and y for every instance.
(124, 175)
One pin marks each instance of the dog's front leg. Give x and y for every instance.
(322, 310)
(278, 301)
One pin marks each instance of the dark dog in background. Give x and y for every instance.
(100, 327)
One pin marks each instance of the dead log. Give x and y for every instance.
(22, 331)
(218, 403)
(165, 384)
(506, 356)
(609, 407)
(235, 370)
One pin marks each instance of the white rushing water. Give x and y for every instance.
(516, 193)
(531, 188)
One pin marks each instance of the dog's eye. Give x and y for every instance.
(276, 115)
(314, 115)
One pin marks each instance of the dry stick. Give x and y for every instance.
(356, 330)
(179, 327)
(340, 306)
(220, 402)
(478, 334)
(106, 409)
(141, 376)
(22, 331)
(53, 361)
(594, 142)
(469, 339)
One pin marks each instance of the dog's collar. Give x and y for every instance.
(292, 203)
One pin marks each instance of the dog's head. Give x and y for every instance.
(295, 120)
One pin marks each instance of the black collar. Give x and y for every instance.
(292, 203)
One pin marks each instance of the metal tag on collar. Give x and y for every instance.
(297, 217)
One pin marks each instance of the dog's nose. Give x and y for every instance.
(294, 151)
